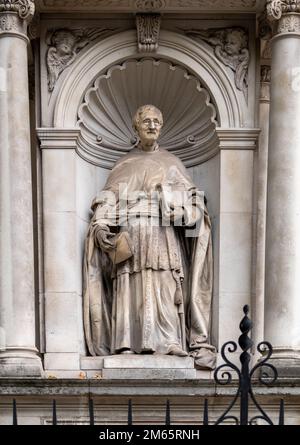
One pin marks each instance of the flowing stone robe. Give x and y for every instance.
(161, 296)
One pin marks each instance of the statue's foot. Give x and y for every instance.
(127, 351)
(177, 350)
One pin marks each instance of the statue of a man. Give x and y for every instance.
(148, 256)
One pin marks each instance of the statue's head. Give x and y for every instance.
(64, 41)
(147, 123)
(235, 41)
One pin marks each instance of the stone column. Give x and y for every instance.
(282, 297)
(18, 355)
(261, 199)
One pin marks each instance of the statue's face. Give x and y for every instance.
(233, 44)
(65, 44)
(149, 127)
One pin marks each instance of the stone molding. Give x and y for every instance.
(63, 138)
(148, 27)
(238, 138)
(150, 5)
(58, 138)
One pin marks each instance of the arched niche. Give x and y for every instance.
(176, 48)
(105, 115)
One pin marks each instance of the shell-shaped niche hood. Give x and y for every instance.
(105, 116)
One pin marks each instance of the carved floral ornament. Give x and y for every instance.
(24, 8)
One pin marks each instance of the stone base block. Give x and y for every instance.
(286, 368)
(135, 366)
(148, 374)
(19, 363)
(135, 361)
(62, 361)
(91, 363)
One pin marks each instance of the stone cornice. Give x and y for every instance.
(197, 387)
(135, 6)
(24, 8)
(238, 138)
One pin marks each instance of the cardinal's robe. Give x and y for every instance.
(161, 296)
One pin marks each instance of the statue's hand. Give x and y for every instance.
(105, 239)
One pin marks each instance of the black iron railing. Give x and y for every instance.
(222, 376)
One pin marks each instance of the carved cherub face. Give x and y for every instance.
(148, 123)
(234, 43)
(64, 42)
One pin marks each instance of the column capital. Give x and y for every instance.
(24, 8)
(286, 13)
(277, 8)
(15, 15)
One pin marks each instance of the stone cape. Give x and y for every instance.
(186, 259)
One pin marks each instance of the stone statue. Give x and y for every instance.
(148, 256)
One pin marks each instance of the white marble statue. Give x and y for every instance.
(148, 256)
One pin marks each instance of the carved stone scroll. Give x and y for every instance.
(148, 26)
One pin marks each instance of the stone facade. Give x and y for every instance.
(242, 150)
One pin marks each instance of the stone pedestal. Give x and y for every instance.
(18, 356)
(144, 367)
(282, 298)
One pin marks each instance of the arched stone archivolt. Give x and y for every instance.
(178, 49)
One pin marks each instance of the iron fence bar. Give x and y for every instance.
(245, 343)
(129, 417)
(91, 411)
(281, 413)
(54, 416)
(244, 391)
(168, 413)
(205, 412)
(15, 416)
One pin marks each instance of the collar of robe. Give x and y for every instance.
(155, 149)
